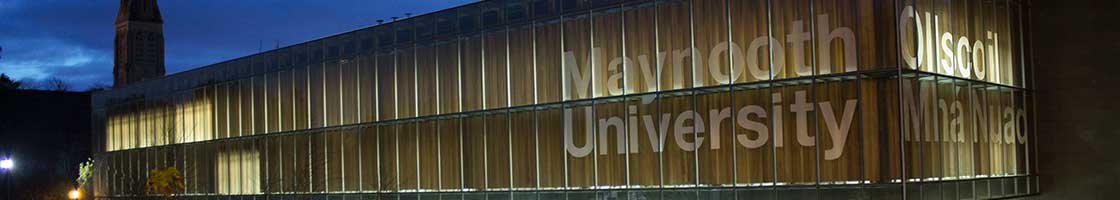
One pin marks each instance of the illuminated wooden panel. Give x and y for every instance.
(497, 151)
(839, 130)
(386, 87)
(606, 59)
(640, 64)
(521, 66)
(426, 92)
(369, 151)
(409, 160)
(245, 98)
(318, 95)
(791, 22)
(581, 151)
(714, 155)
(494, 74)
(551, 152)
(753, 136)
(523, 149)
(367, 87)
(300, 98)
(548, 62)
(429, 156)
(450, 148)
(333, 148)
(471, 73)
(285, 100)
(406, 82)
(674, 40)
(576, 58)
(678, 166)
(387, 157)
(448, 59)
(332, 96)
(319, 158)
(610, 144)
(712, 64)
(797, 152)
(474, 151)
(348, 75)
(272, 102)
(749, 32)
(645, 146)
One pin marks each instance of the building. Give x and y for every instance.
(603, 99)
(138, 42)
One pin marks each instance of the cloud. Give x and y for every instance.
(45, 57)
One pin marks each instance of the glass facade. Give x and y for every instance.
(898, 99)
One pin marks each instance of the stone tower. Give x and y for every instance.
(138, 43)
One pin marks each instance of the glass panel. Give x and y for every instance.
(790, 23)
(494, 74)
(750, 46)
(840, 130)
(611, 144)
(674, 40)
(471, 73)
(796, 154)
(714, 138)
(754, 158)
(521, 66)
(386, 87)
(349, 76)
(497, 151)
(606, 77)
(548, 62)
(367, 87)
(429, 156)
(335, 160)
(450, 152)
(576, 59)
(712, 50)
(474, 151)
(579, 141)
(406, 82)
(646, 128)
(448, 77)
(286, 100)
(640, 61)
(370, 158)
(319, 161)
(408, 160)
(552, 152)
(387, 136)
(318, 94)
(426, 96)
(272, 102)
(300, 88)
(523, 150)
(245, 97)
(679, 157)
(260, 104)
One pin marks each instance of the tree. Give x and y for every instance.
(55, 84)
(165, 181)
(7, 83)
(85, 175)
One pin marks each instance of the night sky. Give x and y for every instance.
(73, 39)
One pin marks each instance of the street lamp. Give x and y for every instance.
(75, 194)
(6, 164)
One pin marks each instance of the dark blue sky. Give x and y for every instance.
(73, 39)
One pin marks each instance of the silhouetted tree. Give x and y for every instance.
(9, 84)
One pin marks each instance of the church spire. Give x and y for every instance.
(138, 43)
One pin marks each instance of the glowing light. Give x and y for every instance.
(75, 194)
(7, 164)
